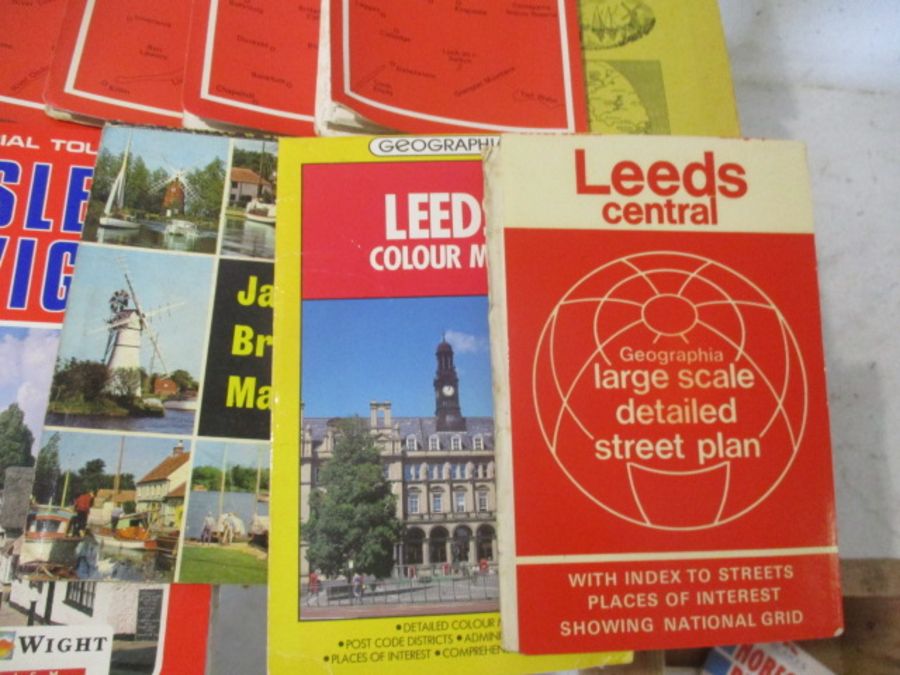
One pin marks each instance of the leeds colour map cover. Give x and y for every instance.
(383, 438)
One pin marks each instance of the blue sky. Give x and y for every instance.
(211, 453)
(357, 351)
(26, 370)
(141, 454)
(163, 149)
(159, 279)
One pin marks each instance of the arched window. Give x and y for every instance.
(411, 444)
(434, 443)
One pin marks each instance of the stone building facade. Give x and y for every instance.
(441, 471)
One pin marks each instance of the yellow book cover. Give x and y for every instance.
(657, 67)
(383, 539)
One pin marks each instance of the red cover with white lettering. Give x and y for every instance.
(459, 65)
(665, 464)
(253, 65)
(120, 60)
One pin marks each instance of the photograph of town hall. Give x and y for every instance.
(398, 502)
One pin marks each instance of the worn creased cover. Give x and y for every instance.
(662, 421)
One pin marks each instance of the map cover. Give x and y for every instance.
(46, 170)
(27, 52)
(657, 67)
(253, 65)
(382, 427)
(120, 61)
(104, 628)
(771, 657)
(443, 66)
(46, 173)
(156, 437)
(663, 445)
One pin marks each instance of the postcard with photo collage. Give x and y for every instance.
(157, 426)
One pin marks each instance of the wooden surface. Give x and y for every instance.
(870, 644)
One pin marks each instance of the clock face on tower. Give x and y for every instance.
(447, 390)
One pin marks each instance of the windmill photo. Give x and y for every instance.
(128, 356)
(151, 182)
(177, 189)
(126, 325)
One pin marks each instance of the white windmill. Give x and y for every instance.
(126, 326)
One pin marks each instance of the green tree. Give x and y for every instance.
(126, 481)
(184, 380)
(242, 478)
(105, 170)
(92, 476)
(76, 380)
(353, 517)
(209, 477)
(15, 440)
(137, 187)
(46, 471)
(123, 382)
(207, 185)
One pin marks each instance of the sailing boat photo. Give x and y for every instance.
(113, 212)
(158, 189)
(261, 207)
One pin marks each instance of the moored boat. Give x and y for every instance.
(260, 212)
(47, 538)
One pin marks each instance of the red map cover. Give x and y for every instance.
(668, 466)
(254, 64)
(121, 60)
(27, 51)
(46, 171)
(184, 649)
(457, 65)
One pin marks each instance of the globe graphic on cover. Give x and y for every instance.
(670, 390)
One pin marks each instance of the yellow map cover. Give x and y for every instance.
(383, 538)
(657, 67)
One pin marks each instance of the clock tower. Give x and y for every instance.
(446, 391)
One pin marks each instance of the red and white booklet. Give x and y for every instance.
(452, 65)
(253, 65)
(664, 462)
(90, 628)
(120, 60)
(27, 52)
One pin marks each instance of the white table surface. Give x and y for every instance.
(828, 73)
